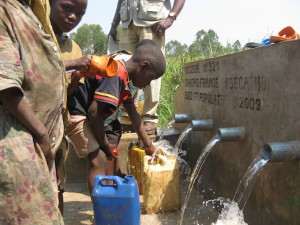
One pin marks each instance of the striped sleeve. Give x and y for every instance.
(109, 91)
(105, 97)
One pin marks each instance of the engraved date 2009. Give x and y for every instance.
(250, 103)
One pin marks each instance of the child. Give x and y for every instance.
(65, 15)
(95, 100)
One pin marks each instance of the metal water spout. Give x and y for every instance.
(182, 118)
(281, 151)
(202, 125)
(232, 134)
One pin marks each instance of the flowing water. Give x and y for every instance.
(247, 182)
(170, 124)
(198, 214)
(182, 137)
(196, 171)
(231, 213)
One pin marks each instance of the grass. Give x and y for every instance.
(174, 77)
(171, 80)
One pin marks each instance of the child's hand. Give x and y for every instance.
(150, 150)
(84, 63)
(110, 150)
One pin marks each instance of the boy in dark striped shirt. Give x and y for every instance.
(98, 98)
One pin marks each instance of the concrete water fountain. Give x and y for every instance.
(256, 89)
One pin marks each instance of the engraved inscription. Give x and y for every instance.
(190, 69)
(252, 83)
(211, 66)
(214, 89)
(209, 98)
(203, 82)
(250, 103)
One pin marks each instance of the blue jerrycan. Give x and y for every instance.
(116, 200)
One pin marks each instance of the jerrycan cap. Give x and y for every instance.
(129, 178)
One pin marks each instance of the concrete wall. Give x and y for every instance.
(258, 89)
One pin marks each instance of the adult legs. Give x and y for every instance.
(128, 40)
(151, 92)
(60, 160)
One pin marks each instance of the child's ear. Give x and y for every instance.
(145, 65)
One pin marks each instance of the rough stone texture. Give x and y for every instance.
(257, 89)
(160, 183)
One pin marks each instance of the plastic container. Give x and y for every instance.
(116, 200)
(104, 66)
(161, 184)
(135, 164)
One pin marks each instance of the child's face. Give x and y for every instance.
(66, 14)
(143, 78)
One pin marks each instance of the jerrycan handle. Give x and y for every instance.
(108, 181)
(112, 181)
(158, 159)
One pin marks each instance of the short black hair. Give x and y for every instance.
(145, 42)
(147, 50)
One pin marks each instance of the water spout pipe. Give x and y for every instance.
(182, 118)
(281, 151)
(202, 125)
(232, 134)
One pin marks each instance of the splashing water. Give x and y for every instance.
(230, 215)
(247, 182)
(170, 124)
(162, 145)
(196, 171)
(183, 136)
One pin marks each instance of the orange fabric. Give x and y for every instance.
(286, 34)
(104, 66)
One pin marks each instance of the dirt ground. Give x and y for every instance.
(78, 206)
(78, 209)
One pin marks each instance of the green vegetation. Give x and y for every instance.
(92, 40)
(206, 45)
